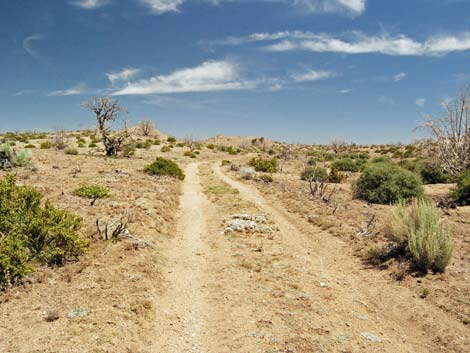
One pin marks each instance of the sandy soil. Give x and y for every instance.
(200, 289)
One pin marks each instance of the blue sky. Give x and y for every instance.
(296, 70)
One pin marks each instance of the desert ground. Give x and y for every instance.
(304, 277)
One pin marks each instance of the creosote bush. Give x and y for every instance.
(264, 165)
(462, 193)
(349, 165)
(385, 183)
(71, 151)
(165, 167)
(46, 145)
(417, 229)
(92, 191)
(33, 232)
(314, 173)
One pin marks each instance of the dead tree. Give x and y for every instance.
(452, 134)
(146, 127)
(107, 111)
(338, 145)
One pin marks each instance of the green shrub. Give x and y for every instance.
(46, 145)
(32, 233)
(71, 151)
(358, 155)
(382, 159)
(349, 165)
(266, 178)
(264, 165)
(92, 191)
(314, 173)
(211, 146)
(165, 149)
(418, 228)
(17, 158)
(143, 145)
(462, 193)
(171, 139)
(92, 145)
(431, 173)
(385, 183)
(30, 146)
(165, 167)
(225, 162)
(156, 142)
(335, 176)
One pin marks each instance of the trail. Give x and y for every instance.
(184, 304)
(364, 303)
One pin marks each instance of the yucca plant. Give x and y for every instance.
(419, 228)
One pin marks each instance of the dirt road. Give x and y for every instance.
(184, 323)
(300, 290)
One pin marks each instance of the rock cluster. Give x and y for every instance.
(248, 223)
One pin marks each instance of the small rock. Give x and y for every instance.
(371, 337)
(80, 312)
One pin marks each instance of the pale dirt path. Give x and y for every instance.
(183, 326)
(403, 322)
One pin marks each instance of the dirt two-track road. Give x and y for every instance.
(296, 290)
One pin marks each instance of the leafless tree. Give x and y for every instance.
(60, 139)
(189, 142)
(146, 127)
(338, 145)
(452, 133)
(107, 111)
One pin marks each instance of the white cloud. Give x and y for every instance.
(122, 76)
(23, 92)
(89, 4)
(356, 43)
(312, 75)
(353, 6)
(74, 91)
(206, 77)
(399, 77)
(162, 6)
(28, 45)
(420, 102)
(345, 91)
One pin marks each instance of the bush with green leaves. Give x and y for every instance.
(46, 145)
(432, 173)
(264, 165)
(71, 151)
(92, 191)
(462, 192)
(349, 165)
(385, 183)
(171, 139)
(314, 174)
(335, 176)
(417, 229)
(382, 159)
(358, 155)
(166, 149)
(33, 232)
(165, 167)
(265, 178)
(17, 158)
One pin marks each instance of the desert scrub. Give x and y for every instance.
(265, 178)
(462, 192)
(418, 229)
(385, 183)
(33, 232)
(349, 165)
(92, 192)
(166, 149)
(71, 151)
(46, 145)
(17, 158)
(314, 173)
(165, 167)
(264, 165)
(171, 139)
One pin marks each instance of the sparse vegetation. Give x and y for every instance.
(71, 151)
(15, 158)
(165, 167)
